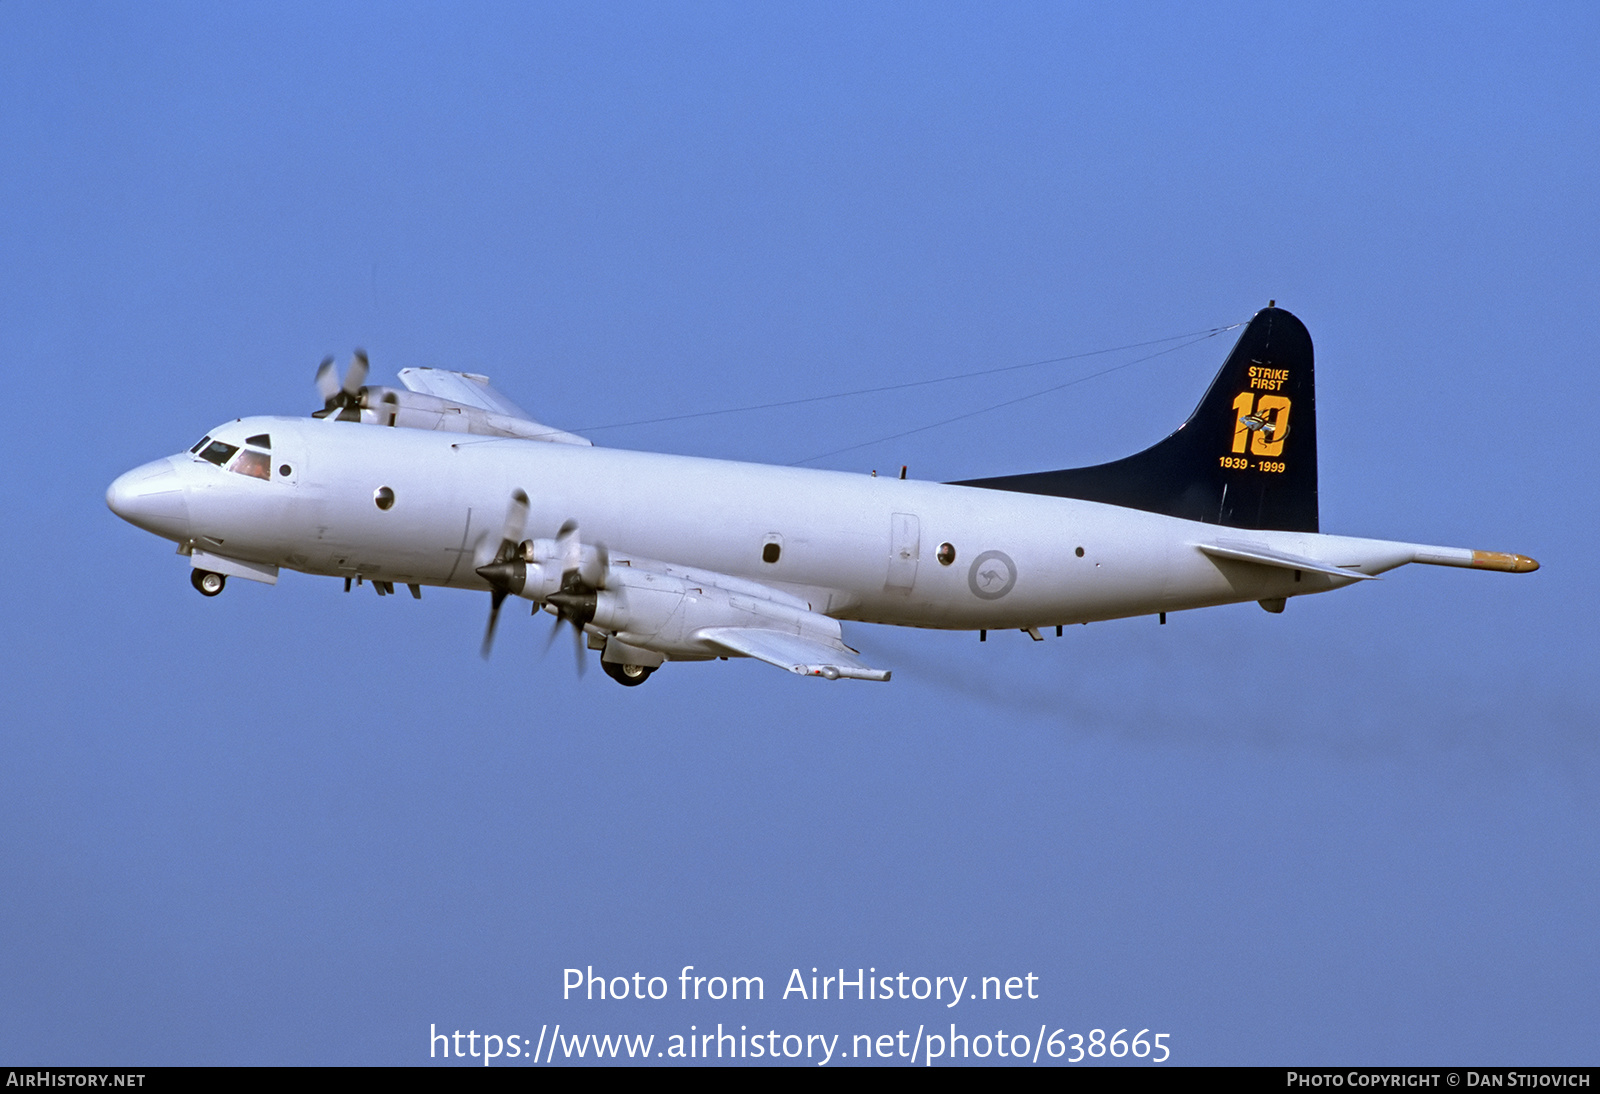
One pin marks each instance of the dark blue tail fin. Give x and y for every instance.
(1246, 458)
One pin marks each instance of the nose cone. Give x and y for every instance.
(152, 497)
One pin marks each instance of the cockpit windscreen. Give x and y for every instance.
(217, 452)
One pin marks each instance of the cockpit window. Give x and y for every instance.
(255, 464)
(217, 452)
(260, 440)
(201, 443)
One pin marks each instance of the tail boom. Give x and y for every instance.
(1475, 560)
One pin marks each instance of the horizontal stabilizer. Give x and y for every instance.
(797, 653)
(1265, 556)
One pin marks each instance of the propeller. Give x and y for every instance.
(506, 572)
(583, 575)
(341, 401)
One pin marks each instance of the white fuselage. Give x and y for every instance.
(852, 546)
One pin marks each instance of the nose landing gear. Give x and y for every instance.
(209, 583)
(629, 676)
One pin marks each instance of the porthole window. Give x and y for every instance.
(285, 470)
(1079, 552)
(383, 497)
(770, 552)
(946, 554)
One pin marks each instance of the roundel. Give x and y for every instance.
(991, 575)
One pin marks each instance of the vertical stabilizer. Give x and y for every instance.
(1246, 458)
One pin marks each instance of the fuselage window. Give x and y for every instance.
(218, 453)
(260, 440)
(253, 463)
(201, 443)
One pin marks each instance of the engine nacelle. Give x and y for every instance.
(537, 569)
(646, 606)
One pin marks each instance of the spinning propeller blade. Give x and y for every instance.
(327, 381)
(356, 375)
(582, 578)
(505, 572)
(496, 598)
(341, 401)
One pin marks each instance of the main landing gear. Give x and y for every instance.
(629, 676)
(209, 583)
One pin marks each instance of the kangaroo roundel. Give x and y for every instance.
(991, 575)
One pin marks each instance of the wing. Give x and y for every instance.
(467, 388)
(461, 402)
(798, 653)
(654, 610)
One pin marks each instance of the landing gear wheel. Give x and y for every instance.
(209, 583)
(629, 676)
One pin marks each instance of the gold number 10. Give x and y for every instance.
(1271, 421)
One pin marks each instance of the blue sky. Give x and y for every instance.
(291, 826)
